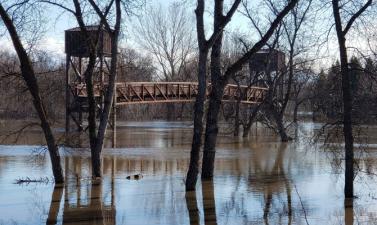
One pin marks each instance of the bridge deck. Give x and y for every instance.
(165, 92)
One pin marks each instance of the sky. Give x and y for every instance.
(56, 22)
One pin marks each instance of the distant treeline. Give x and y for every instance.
(320, 92)
(16, 103)
(326, 91)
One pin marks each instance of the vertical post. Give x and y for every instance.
(67, 94)
(114, 117)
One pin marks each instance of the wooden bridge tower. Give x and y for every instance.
(77, 57)
(270, 61)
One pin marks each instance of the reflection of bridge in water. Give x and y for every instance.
(170, 92)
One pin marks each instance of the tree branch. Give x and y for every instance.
(102, 15)
(238, 64)
(355, 16)
(59, 5)
(226, 19)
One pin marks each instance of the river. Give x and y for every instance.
(257, 181)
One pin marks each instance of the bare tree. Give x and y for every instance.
(104, 18)
(301, 88)
(343, 24)
(292, 38)
(169, 36)
(219, 80)
(28, 74)
(204, 45)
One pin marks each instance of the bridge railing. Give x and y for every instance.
(164, 92)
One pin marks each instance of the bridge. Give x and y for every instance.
(128, 93)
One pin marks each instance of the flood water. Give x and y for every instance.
(257, 181)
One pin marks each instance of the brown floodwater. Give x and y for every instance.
(257, 181)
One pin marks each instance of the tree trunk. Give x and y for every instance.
(193, 170)
(170, 111)
(109, 96)
(204, 47)
(97, 137)
(212, 129)
(347, 105)
(88, 75)
(246, 131)
(252, 116)
(215, 98)
(280, 126)
(295, 111)
(277, 115)
(91, 106)
(29, 77)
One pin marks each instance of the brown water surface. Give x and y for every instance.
(257, 181)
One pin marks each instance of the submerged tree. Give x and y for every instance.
(220, 78)
(104, 18)
(204, 47)
(28, 75)
(293, 39)
(97, 135)
(343, 24)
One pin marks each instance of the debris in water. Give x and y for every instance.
(134, 177)
(27, 180)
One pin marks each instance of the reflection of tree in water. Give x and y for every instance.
(192, 208)
(86, 203)
(272, 182)
(209, 204)
(3, 161)
(165, 203)
(55, 205)
(348, 211)
(264, 176)
(78, 207)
